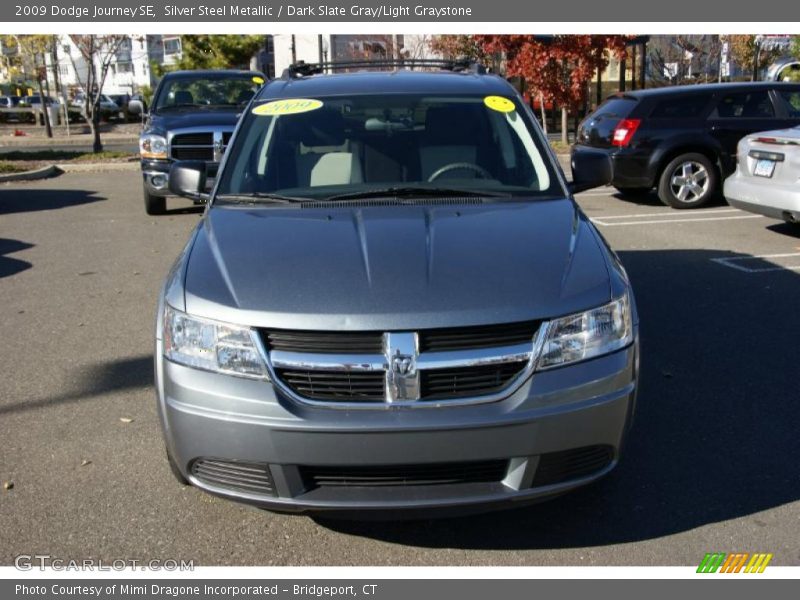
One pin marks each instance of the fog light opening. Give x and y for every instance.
(158, 181)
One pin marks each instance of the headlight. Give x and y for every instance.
(153, 146)
(588, 334)
(211, 345)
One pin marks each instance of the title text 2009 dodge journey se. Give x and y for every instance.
(392, 302)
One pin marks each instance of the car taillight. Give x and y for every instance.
(624, 132)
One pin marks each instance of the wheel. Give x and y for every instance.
(174, 469)
(633, 191)
(154, 205)
(688, 181)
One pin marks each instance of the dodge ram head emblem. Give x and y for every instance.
(402, 378)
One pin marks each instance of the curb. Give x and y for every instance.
(42, 173)
(98, 166)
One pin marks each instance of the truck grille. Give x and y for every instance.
(199, 145)
(404, 475)
(239, 476)
(366, 368)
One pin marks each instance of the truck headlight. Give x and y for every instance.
(588, 334)
(211, 345)
(153, 146)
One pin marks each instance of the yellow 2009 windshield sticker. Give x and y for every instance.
(500, 104)
(292, 106)
(258, 80)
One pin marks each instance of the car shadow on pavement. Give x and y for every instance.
(94, 381)
(19, 199)
(8, 265)
(715, 436)
(787, 229)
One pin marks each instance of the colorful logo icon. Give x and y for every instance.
(741, 562)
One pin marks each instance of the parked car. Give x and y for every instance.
(392, 302)
(35, 100)
(9, 101)
(192, 117)
(767, 178)
(682, 140)
(108, 108)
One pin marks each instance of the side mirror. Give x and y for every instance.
(590, 170)
(135, 107)
(187, 178)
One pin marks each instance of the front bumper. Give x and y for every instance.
(207, 415)
(155, 177)
(763, 196)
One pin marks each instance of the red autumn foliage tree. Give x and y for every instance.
(555, 68)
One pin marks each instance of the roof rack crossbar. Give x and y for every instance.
(304, 69)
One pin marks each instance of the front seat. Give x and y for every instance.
(324, 155)
(183, 97)
(451, 136)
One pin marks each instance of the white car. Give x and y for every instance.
(767, 177)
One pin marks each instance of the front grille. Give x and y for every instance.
(404, 475)
(193, 153)
(462, 382)
(324, 342)
(193, 139)
(462, 364)
(226, 137)
(466, 338)
(335, 386)
(238, 476)
(557, 467)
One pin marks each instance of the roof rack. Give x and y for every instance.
(304, 69)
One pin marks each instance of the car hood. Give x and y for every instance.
(390, 267)
(195, 118)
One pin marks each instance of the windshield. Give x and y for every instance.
(357, 146)
(206, 92)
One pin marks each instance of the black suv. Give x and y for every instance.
(192, 117)
(682, 140)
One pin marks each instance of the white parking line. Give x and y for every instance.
(671, 213)
(659, 221)
(730, 262)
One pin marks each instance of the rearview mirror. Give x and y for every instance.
(590, 170)
(187, 178)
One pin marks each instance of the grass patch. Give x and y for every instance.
(66, 155)
(560, 147)
(7, 167)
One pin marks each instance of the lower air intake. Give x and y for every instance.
(558, 467)
(405, 475)
(239, 476)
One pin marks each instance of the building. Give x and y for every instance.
(311, 48)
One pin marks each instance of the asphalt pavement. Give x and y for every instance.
(710, 466)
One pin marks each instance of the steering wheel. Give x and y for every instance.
(460, 165)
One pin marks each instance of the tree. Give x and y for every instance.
(558, 67)
(457, 46)
(34, 48)
(97, 52)
(747, 52)
(218, 51)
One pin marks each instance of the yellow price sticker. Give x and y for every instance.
(500, 104)
(258, 80)
(292, 106)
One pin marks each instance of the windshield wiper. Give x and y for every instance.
(418, 192)
(262, 198)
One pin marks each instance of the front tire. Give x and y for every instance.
(688, 181)
(154, 205)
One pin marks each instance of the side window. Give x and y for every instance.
(746, 105)
(791, 100)
(686, 107)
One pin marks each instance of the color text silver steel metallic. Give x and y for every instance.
(392, 302)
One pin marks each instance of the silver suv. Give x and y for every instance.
(392, 302)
